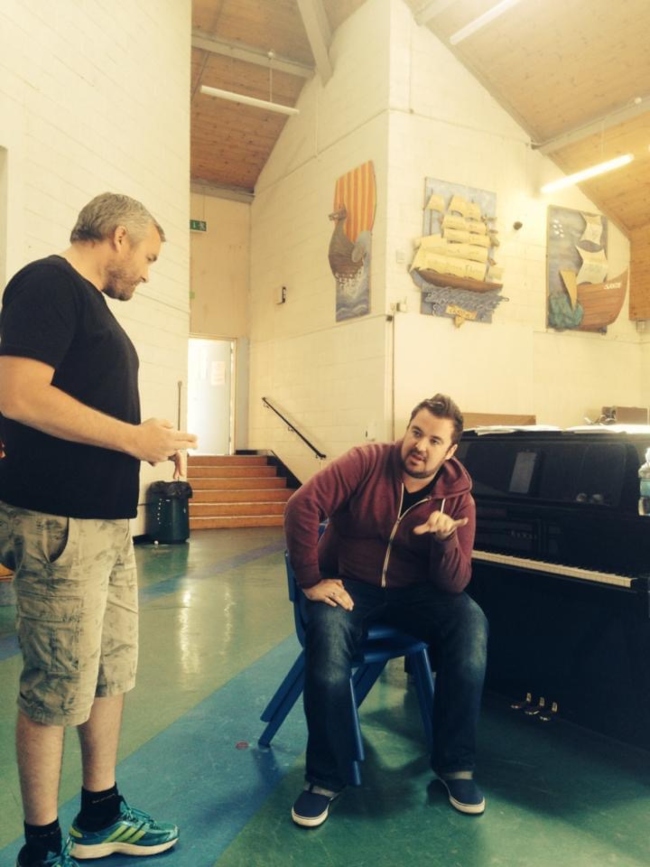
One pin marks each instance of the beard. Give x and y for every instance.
(417, 474)
(424, 474)
(119, 285)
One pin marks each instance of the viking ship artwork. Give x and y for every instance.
(351, 241)
(582, 294)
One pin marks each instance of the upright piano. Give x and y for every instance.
(561, 568)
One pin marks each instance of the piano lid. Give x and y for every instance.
(612, 428)
(480, 430)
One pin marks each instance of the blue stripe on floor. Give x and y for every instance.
(205, 772)
(8, 646)
(9, 643)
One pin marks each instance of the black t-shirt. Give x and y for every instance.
(410, 499)
(52, 314)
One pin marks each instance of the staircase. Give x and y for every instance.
(235, 491)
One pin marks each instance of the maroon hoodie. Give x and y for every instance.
(361, 494)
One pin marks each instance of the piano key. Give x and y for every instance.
(563, 571)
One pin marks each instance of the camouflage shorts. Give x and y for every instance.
(76, 610)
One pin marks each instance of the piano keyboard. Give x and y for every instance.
(559, 569)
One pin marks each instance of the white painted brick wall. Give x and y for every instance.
(443, 124)
(94, 97)
(328, 377)
(220, 268)
(400, 98)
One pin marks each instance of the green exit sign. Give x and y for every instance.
(198, 226)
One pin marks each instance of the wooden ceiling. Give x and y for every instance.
(575, 74)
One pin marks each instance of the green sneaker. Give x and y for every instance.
(52, 859)
(134, 833)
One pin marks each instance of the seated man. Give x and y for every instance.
(401, 531)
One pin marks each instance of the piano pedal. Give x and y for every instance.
(536, 709)
(548, 715)
(522, 705)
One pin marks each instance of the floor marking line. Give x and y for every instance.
(196, 774)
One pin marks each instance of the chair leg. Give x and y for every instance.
(361, 682)
(285, 697)
(364, 678)
(424, 687)
(355, 734)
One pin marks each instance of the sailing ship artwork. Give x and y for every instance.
(350, 245)
(455, 262)
(582, 293)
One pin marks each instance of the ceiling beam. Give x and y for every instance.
(478, 23)
(435, 7)
(205, 188)
(628, 112)
(319, 35)
(238, 51)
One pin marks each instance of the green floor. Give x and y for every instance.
(212, 610)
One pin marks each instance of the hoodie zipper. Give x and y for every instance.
(393, 532)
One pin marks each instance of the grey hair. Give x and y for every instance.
(102, 215)
(442, 406)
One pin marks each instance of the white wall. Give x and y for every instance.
(94, 97)
(220, 268)
(328, 378)
(399, 98)
(443, 124)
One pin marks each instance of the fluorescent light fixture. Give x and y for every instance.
(248, 100)
(600, 169)
(481, 21)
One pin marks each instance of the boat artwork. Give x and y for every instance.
(350, 247)
(454, 263)
(581, 295)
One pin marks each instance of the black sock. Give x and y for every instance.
(39, 840)
(98, 809)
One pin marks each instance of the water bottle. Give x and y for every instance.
(644, 486)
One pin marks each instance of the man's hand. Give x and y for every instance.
(330, 591)
(441, 525)
(28, 396)
(158, 440)
(179, 460)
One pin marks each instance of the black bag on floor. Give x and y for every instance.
(168, 511)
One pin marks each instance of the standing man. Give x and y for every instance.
(399, 539)
(71, 428)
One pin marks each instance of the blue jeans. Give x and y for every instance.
(453, 626)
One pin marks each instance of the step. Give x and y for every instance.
(226, 460)
(224, 522)
(225, 472)
(235, 491)
(247, 495)
(206, 510)
(228, 484)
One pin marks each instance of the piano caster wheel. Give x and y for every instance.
(549, 714)
(535, 710)
(521, 705)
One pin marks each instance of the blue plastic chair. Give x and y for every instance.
(382, 644)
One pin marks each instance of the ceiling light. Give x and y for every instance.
(481, 21)
(248, 100)
(600, 169)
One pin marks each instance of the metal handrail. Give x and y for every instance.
(293, 429)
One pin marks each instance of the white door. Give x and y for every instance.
(209, 394)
